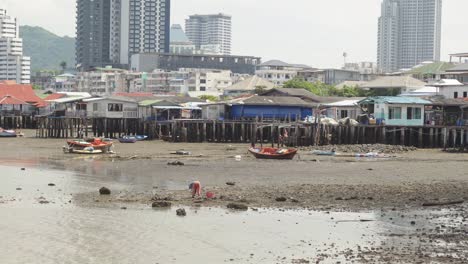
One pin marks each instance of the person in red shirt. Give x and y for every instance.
(196, 188)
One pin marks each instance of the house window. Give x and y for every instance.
(202, 88)
(115, 107)
(465, 94)
(413, 113)
(394, 113)
(455, 95)
(95, 107)
(344, 113)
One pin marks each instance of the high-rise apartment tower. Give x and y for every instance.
(110, 31)
(210, 32)
(409, 33)
(13, 65)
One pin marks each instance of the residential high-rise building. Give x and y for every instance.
(92, 33)
(211, 32)
(409, 33)
(138, 26)
(13, 65)
(110, 31)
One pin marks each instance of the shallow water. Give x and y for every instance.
(64, 232)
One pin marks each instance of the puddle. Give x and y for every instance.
(62, 232)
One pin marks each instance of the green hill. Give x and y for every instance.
(46, 49)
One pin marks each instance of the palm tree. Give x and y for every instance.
(63, 65)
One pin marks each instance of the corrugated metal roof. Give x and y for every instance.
(347, 102)
(395, 100)
(299, 92)
(459, 68)
(432, 68)
(395, 82)
(21, 92)
(272, 100)
(10, 100)
(250, 84)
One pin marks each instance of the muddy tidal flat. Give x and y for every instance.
(408, 208)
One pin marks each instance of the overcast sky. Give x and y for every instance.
(313, 32)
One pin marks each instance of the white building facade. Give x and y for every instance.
(13, 65)
(409, 33)
(210, 32)
(103, 82)
(279, 72)
(138, 26)
(195, 82)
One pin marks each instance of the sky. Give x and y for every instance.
(313, 32)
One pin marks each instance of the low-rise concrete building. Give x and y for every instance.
(279, 72)
(451, 88)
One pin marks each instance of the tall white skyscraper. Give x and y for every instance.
(409, 33)
(138, 26)
(13, 65)
(210, 32)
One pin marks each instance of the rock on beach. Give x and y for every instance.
(104, 191)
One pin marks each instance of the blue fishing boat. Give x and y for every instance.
(141, 137)
(127, 139)
(7, 133)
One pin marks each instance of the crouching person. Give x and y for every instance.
(196, 188)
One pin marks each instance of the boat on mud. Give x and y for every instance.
(127, 139)
(141, 137)
(96, 143)
(87, 150)
(7, 133)
(273, 153)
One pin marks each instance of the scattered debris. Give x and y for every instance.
(23, 169)
(443, 203)
(104, 191)
(237, 206)
(182, 153)
(230, 148)
(176, 163)
(231, 183)
(181, 212)
(300, 261)
(51, 184)
(161, 204)
(364, 148)
(123, 208)
(19, 189)
(281, 199)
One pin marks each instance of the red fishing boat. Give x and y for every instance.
(95, 143)
(273, 153)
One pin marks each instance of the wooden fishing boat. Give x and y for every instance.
(87, 150)
(127, 139)
(95, 143)
(273, 153)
